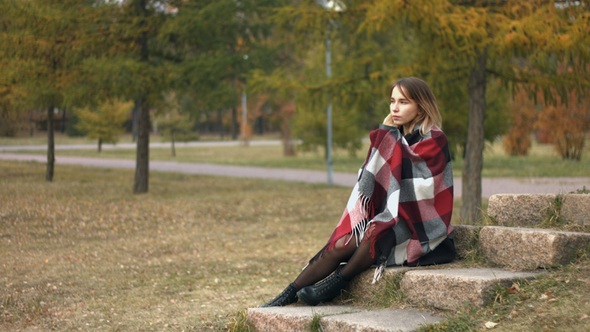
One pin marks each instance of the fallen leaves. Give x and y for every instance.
(490, 325)
(515, 288)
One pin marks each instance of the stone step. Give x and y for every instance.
(521, 210)
(466, 239)
(575, 209)
(529, 210)
(337, 318)
(362, 289)
(531, 248)
(453, 288)
(435, 287)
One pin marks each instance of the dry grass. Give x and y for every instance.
(83, 253)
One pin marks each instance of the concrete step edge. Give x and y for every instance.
(521, 249)
(529, 210)
(454, 288)
(338, 318)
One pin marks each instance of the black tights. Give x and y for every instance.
(358, 260)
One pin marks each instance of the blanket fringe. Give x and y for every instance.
(378, 273)
(360, 217)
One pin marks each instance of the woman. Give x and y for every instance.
(399, 211)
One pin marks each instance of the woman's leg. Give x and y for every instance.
(332, 286)
(327, 263)
(359, 262)
(317, 270)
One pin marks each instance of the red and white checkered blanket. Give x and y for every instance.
(406, 183)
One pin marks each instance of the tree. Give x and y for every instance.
(217, 43)
(517, 140)
(132, 65)
(106, 122)
(566, 124)
(514, 41)
(173, 123)
(463, 48)
(356, 88)
(41, 45)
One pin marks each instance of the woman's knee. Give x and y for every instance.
(343, 248)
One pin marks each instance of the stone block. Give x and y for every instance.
(361, 289)
(336, 318)
(293, 318)
(454, 288)
(386, 320)
(530, 248)
(521, 210)
(575, 209)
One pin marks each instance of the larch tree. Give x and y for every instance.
(132, 65)
(105, 122)
(41, 45)
(216, 43)
(314, 39)
(471, 41)
(174, 124)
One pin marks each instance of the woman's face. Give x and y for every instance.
(402, 110)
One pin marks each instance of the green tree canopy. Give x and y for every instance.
(42, 45)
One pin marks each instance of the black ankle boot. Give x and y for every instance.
(287, 296)
(323, 291)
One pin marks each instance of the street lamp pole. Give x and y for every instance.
(330, 162)
(338, 6)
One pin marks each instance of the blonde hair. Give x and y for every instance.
(417, 90)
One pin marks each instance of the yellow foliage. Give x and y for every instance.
(106, 121)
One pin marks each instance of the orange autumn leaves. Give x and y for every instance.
(565, 124)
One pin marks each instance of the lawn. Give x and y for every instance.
(84, 253)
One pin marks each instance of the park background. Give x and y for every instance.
(133, 250)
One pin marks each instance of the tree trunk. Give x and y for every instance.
(99, 145)
(234, 124)
(220, 124)
(173, 144)
(134, 122)
(142, 160)
(31, 124)
(471, 180)
(50, 145)
(63, 121)
(287, 112)
(288, 142)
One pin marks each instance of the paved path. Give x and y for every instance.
(490, 186)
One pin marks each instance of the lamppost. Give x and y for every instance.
(245, 138)
(337, 6)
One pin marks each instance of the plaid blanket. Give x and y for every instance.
(405, 184)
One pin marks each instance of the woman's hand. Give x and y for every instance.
(388, 121)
